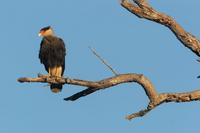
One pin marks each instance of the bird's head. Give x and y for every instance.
(46, 31)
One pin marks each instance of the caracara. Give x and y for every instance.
(52, 55)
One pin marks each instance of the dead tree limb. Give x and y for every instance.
(142, 9)
(102, 84)
(155, 99)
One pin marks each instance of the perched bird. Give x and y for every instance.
(52, 55)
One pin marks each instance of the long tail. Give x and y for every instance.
(56, 88)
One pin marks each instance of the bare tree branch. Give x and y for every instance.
(102, 84)
(143, 10)
(93, 86)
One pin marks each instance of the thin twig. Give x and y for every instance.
(103, 61)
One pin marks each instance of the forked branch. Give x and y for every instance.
(93, 86)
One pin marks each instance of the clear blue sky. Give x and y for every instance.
(128, 43)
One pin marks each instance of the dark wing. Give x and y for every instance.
(62, 51)
(43, 53)
(52, 52)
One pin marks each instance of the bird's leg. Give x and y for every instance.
(50, 72)
(59, 71)
(53, 72)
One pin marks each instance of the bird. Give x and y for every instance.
(52, 55)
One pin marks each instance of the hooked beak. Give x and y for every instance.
(39, 34)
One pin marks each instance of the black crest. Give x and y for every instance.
(46, 28)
